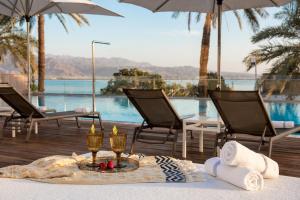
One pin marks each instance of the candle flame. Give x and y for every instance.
(93, 129)
(115, 130)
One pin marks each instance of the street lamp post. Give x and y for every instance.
(93, 69)
(253, 64)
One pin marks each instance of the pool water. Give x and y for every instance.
(118, 108)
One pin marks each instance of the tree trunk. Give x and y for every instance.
(203, 82)
(41, 54)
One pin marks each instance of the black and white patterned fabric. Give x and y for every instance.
(170, 169)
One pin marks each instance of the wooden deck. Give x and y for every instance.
(52, 140)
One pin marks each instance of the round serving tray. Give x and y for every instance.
(130, 165)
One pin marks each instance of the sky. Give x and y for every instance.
(156, 38)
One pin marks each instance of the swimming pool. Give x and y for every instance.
(118, 108)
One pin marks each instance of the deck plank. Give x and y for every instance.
(63, 141)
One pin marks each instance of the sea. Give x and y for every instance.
(64, 95)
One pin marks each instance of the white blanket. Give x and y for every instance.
(239, 176)
(283, 188)
(235, 154)
(49, 167)
(64, 170)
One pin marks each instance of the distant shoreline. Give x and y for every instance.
(108, 78)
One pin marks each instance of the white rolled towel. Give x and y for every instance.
(242, 177)
(43, 108)
(283, 124)
(278, 124)
(235, 154)
(81, 110)
(289, 124)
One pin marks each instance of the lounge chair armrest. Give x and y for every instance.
(286, 133)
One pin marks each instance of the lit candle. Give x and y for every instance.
(92, 129)
(115, 130)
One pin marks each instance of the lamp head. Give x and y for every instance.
(99, 42)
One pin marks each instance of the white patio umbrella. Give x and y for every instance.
(205, 6)
(30, 8)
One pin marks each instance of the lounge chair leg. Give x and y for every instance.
(77, 122)
(36, 128)
(5, 122)
(192, 135)
(58, 123)
(260, 145)
(29, 130)
(19, 126)
(13, 129)
(4, 126)
(133, 140)
(100, 122)
(174, 148)
(270, 147)
(201, 142)
(174, 144)
(218, 143)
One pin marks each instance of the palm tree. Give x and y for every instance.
(281, 43)
(13, 43)
(251, 15)
(281, 46)
(79, 19)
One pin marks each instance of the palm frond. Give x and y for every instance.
(282, 43)
(198, 17)
(62, 21)
(175, 15)
(251, 19)
(238, 18)
(275, 32)
(189, 20)
(13, 42)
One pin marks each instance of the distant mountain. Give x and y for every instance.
(69, 67)
(78, 67)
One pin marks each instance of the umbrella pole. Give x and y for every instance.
(219, 2)
(28, 58)
(93, 78)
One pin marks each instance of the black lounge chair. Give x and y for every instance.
(244, 113)
(31, 115)
(161, 122)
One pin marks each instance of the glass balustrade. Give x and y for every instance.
(282, 96)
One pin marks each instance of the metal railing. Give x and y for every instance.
(174, 88)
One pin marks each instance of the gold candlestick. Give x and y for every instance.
(118, 145)
(94, 143)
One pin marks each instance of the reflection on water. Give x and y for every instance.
(120, 109)
(41, 100)
(202, 108)
(123, 102)
(284, 112)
